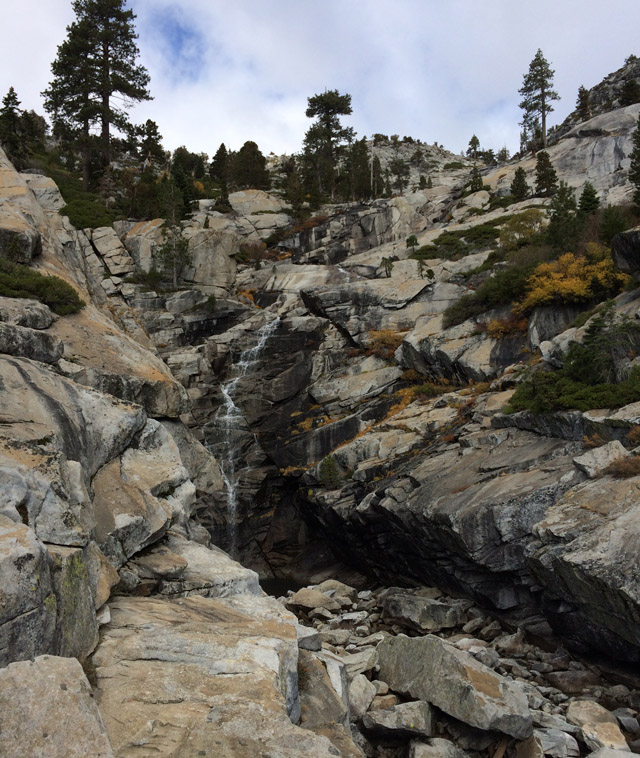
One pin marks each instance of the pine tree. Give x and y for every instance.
(150, 147)
(10, 127)
(589, 201)
(94, 65)
(219, 172)
(630, 93)
(173, 254)
(400, 171)
(564, 224)
(546, 177)
(519, 187)
(474, 146)
(634, 168)
(378, 180)
(537, 94)
(476, 180)
(582, 104)
(250, 168)
(325, 138)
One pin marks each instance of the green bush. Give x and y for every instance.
(593, 375)
(504, 288)
(453, 166)
(329, 472)
(17, 280)
(84, 213)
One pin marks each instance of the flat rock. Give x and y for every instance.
(594, 462)
(435, 748)
(308, 598)
(223, 680)
(48, 709)
(423, 614)
(427, 668)
(405, 720)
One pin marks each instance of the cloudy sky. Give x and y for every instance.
(438, 70)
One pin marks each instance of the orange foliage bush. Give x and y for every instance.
(571, 279)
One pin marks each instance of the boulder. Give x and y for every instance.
(224, 679)
(427, 668)
(28, 607)
(435, 748)
(405, 721)
(361, 694)
(21, 311)
(423, 614)
(29, 343)
(48, 708)
(594, 462)
(309, 598)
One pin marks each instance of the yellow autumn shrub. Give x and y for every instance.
(571, 279)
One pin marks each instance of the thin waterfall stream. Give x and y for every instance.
(231, 426)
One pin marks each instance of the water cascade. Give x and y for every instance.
(233, 436)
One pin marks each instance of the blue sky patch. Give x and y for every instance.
(181, 44)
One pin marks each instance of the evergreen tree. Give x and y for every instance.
(173, 254)
(412, 242)
(474, 146)
(634, 169)
(400, 171)
(293, 189)
(11, 127)
(422, 183)
(150, 145)
(546, 177)
(502, 155)
(95, 65)
(630, 93)
(250, 168)
(537, 94)
(358, 171)
(564, 225)
(589, 201)
(325, 138)
(582, 104)
(476, 180)
(219, 172)
(378, 180)
(519, 187)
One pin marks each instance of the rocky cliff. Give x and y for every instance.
(288, 420)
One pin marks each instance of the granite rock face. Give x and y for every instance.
(429, 669)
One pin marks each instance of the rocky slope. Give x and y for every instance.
(280, 420)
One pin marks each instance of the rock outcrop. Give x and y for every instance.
(307, 413)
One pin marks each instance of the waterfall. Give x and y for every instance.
(231, 427)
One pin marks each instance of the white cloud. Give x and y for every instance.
(436, 71)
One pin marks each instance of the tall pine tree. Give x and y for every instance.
(537, 94)
(325, 138)
(95, 65)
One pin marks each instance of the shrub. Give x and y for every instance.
(84, 213)
(503, 288)
(510, 326)
(595, 374)
(428, 390)
(572, 279)
(383, 343)
(17, 280)
(453, 166)
(625, 467)
(329, 472)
